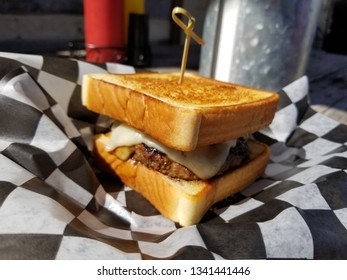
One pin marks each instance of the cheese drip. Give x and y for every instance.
(204, 162)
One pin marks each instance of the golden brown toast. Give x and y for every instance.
(200, 111)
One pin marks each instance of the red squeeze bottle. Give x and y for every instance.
(104, 30)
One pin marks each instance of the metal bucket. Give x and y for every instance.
(260, 43)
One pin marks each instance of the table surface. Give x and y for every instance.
(328, 84)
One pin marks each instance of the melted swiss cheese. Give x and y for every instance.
(204, 162)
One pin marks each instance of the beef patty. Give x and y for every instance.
(154, 159)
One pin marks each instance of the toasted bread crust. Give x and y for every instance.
(199, 112)
(184, 202)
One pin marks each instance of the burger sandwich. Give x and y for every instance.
(185, 146)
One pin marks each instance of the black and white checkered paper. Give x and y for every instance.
(54, 204)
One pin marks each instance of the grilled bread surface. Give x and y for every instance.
(200, 111)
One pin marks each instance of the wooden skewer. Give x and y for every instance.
(188, 30)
